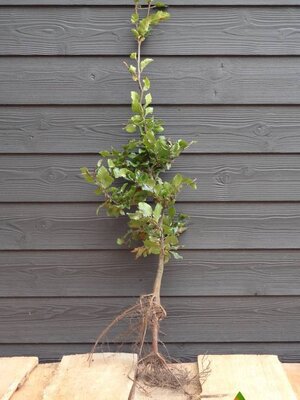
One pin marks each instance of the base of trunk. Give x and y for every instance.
(142, 319)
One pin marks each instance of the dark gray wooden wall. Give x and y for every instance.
(226, 74)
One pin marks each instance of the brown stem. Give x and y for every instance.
(156, 292)
(159, 275)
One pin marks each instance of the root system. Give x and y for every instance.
(154, 369)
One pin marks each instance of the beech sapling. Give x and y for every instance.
(132, 185)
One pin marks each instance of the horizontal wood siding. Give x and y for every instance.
(226, 75)
(51, 226)
(190, 319)
(106, 31)
(52, 178)
(214, 129)
(104, 80)
(201, 273)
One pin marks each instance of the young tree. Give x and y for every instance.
(132, 185)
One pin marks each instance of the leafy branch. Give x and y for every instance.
(130, 179)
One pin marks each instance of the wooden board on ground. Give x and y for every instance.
(109, 377)
(34, 386)
(259, 377)
(143, 392)
(293, 373)
(13, 372)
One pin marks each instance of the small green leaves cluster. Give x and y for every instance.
(130, 179)
(143, 26)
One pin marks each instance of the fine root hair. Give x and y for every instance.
(154, 369)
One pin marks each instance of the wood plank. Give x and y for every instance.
(14, 371)
(211, 226)
(143, 392)
(110, 376)
(105, 273)
(256, 377)
(190, 319)
(215, 129)
(293, 373)
(185, 352)
(106, 31)
(104, 80)
(38, 380)
(52, 178)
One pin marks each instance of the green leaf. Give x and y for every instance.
(87, 175)
(133, 56)
(172, 239)
(157, 212)
(145, 208)
(135, 103)
(159, 16)
(132, 70)
(152, 247)
(144, 25)
(135, 97)
(110, 163)
(104, 177)
(136, 119)
(121, 172)
(138, 251)
(172, 211)
(147, 84)
(160, 4)
(130, 128)
(134, 18)
(145, 63)
(176, 255)
(182, 144)
(120, 241)
(135, 33)
(98, 191)
(148, 99)
(190, 182)
(148, 110)
(105, 153)
(177, 180)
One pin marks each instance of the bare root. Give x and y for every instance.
(154, 370)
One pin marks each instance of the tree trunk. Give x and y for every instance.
(156, 293)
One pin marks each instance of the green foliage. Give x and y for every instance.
(131, 179)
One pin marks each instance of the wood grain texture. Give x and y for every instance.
(215, 129)
(106, 31)
(104, 80)
(211, 226)
(44, 178)
(105, 273)
(38, 380)
(237, 289)
(14, 371)
(190, 319)
(259, 377)
(110, 375)
(293, 373)
(287, 351)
